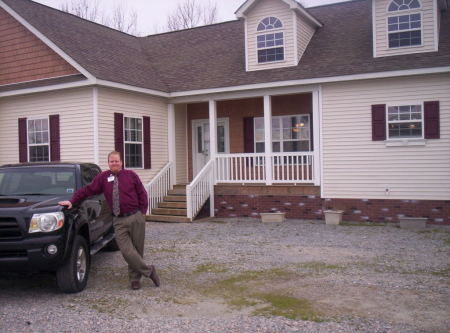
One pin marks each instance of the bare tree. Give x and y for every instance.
(190, 13)
(121, 18)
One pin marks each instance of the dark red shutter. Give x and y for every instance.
(249, 138)
(118, 134)
(55, 147)
(431, 117)
(378, 122)
(147, 147)
(23, 151)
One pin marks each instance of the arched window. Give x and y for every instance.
(269, 23)
(404, 30)
(403, 5)
(270, 45)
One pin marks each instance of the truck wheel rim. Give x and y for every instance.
(81, 264)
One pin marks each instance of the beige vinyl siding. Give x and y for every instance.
(304, 34)
(381, 36)
(74, 107)
(354, 166)
(133, 105)
(181, 145)
(262, 10)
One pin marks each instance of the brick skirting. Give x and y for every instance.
(312, 207)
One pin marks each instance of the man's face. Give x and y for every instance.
(114, 163)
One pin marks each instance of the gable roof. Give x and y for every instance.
(293, 4)
(105, 53)
(214, 56)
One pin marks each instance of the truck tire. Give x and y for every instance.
(72, 276)
(111, 246)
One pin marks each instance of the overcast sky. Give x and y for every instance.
(152, 14)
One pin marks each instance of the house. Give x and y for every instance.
(287, 108)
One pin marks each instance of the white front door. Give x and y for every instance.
(200, 141)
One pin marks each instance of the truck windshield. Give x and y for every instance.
(37, 181)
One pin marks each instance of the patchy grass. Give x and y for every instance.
(210, 268)
(287, 306)
(244, 290)
(443, 272)
(111, 305)
(318, 266)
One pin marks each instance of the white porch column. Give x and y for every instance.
(316, 105)
(268, 138)
(212, 149)
(171, 143)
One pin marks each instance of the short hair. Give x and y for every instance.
(115, 153)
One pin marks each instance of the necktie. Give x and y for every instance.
(115, 197)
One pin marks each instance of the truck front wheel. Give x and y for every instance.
(72, 276)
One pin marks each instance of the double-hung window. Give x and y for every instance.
(270, 40)
(133, 142)
(289, 133)
(405, 121)
(406, 29)
(38, 140)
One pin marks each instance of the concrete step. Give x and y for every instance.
(169, 211)
(178, 198)
(173, 204)
(177, 191)
(166, 218)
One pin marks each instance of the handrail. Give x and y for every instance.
(159, 186)
(200, 189)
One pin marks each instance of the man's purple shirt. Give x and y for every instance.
(132, 193)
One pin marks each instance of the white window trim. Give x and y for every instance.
(404, 12)
(133, 142)
(282, 140)
(265, 30)
(405, 141)
(34, 144)
(268, 31)
(272, 47)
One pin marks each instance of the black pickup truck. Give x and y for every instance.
(36, 234)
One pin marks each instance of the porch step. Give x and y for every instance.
(167, 218)
(177, 191)
(172, 208)
(172, 204)
(179, 198)
(169, 211)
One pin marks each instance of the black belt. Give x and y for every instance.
(128, 214)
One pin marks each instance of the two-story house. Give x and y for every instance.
(286, 109)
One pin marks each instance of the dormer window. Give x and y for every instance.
(270, 45)
(404, 30)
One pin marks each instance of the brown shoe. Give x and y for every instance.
(135, 285)
(154, 276)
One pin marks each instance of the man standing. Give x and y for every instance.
(127, 198)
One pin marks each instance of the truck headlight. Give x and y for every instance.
(46, 222)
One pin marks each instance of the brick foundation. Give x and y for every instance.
(312, 207)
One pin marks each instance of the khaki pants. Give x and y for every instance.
(130, 237)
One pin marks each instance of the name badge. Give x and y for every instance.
(110, 178)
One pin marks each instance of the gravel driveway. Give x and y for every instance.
(245, 276)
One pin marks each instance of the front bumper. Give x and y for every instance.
(30, 254)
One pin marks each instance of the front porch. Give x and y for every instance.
(265, 140)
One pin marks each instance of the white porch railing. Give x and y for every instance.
(239, 168)
(292, 167)
(158, 187)
(251, 168)
(200, 189)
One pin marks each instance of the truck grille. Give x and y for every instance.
(13, 253)
(9, 228)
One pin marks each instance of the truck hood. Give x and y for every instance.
(31, 202)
